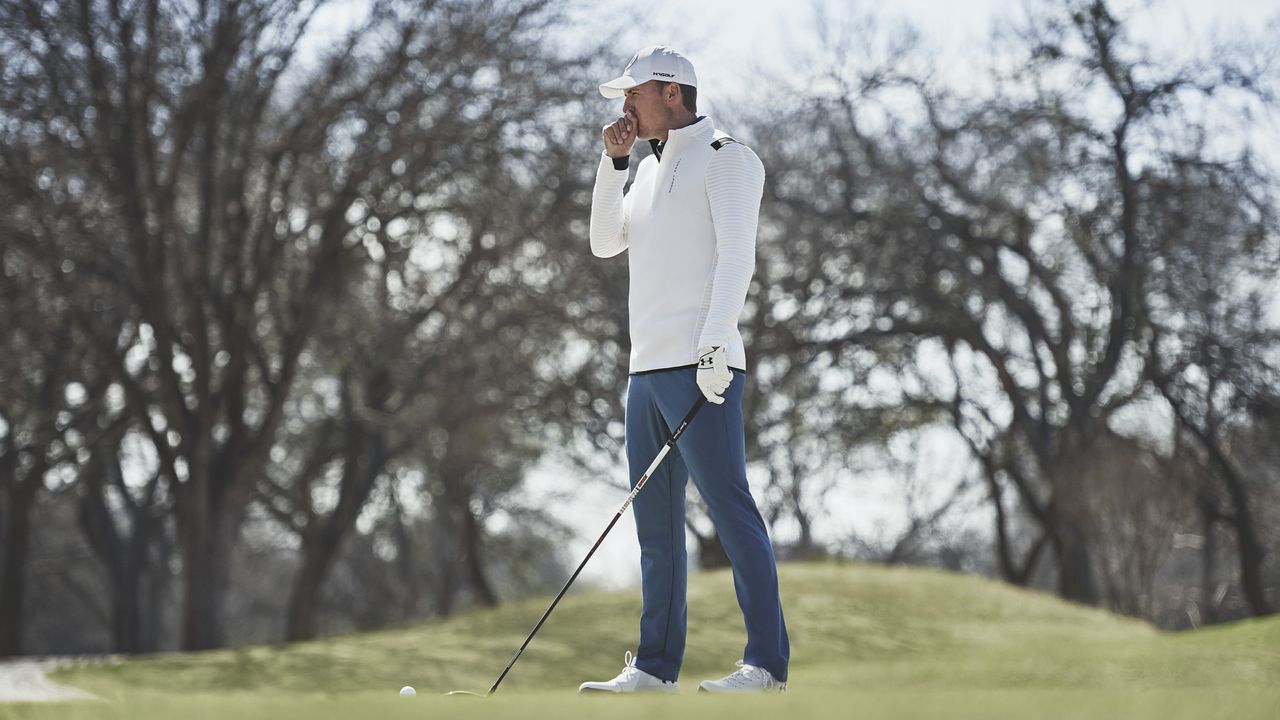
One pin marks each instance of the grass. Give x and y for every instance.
(868, 642)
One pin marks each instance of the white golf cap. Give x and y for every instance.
(655, 62)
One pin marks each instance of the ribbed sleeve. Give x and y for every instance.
(608, 210)
(735, 184)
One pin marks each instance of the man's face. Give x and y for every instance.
(647, 101)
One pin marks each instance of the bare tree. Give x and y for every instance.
(454, 338)
(219, 191)
(1015, 237)
(44, 412)
(126, 527)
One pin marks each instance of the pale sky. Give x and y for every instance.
(725, 38)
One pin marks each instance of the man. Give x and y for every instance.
(689, 221)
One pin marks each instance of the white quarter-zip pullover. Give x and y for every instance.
(689, 221)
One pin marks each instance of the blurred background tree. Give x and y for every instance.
(1013, 253)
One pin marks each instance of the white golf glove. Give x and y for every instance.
(713, 373)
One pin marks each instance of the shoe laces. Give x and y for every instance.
(750, 675)
(629, 670)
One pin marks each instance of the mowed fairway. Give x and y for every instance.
(867, 642)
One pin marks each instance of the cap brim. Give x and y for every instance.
(618, 86)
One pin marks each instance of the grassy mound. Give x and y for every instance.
(866, 642)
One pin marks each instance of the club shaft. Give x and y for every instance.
(671, 441)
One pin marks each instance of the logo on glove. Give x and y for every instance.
(713, 373)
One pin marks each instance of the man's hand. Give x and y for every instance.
(713, 373)
(619, 136)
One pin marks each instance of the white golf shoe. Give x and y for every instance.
(747, 678)
(631, 679)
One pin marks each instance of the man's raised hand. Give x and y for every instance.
(619, 136)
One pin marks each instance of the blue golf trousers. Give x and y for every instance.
(712, 450)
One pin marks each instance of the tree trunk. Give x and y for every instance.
(125, 561)
(806, 548)
(318, 553)
(158, 586)
(1208, 568)
(406, 559)
(304, 601)
(474, 558)
(126, 614)
(447, 582)
(201, 621)
(1251, 551)
(1075, 571)
(363, 463)
(128, 633)
(206, 571)
(445, 552)
(124, 556)
(1252, 555)
(13, 565)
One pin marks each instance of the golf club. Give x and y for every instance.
(671, 441)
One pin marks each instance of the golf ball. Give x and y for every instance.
(408, 691)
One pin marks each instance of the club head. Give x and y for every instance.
(463, 693)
